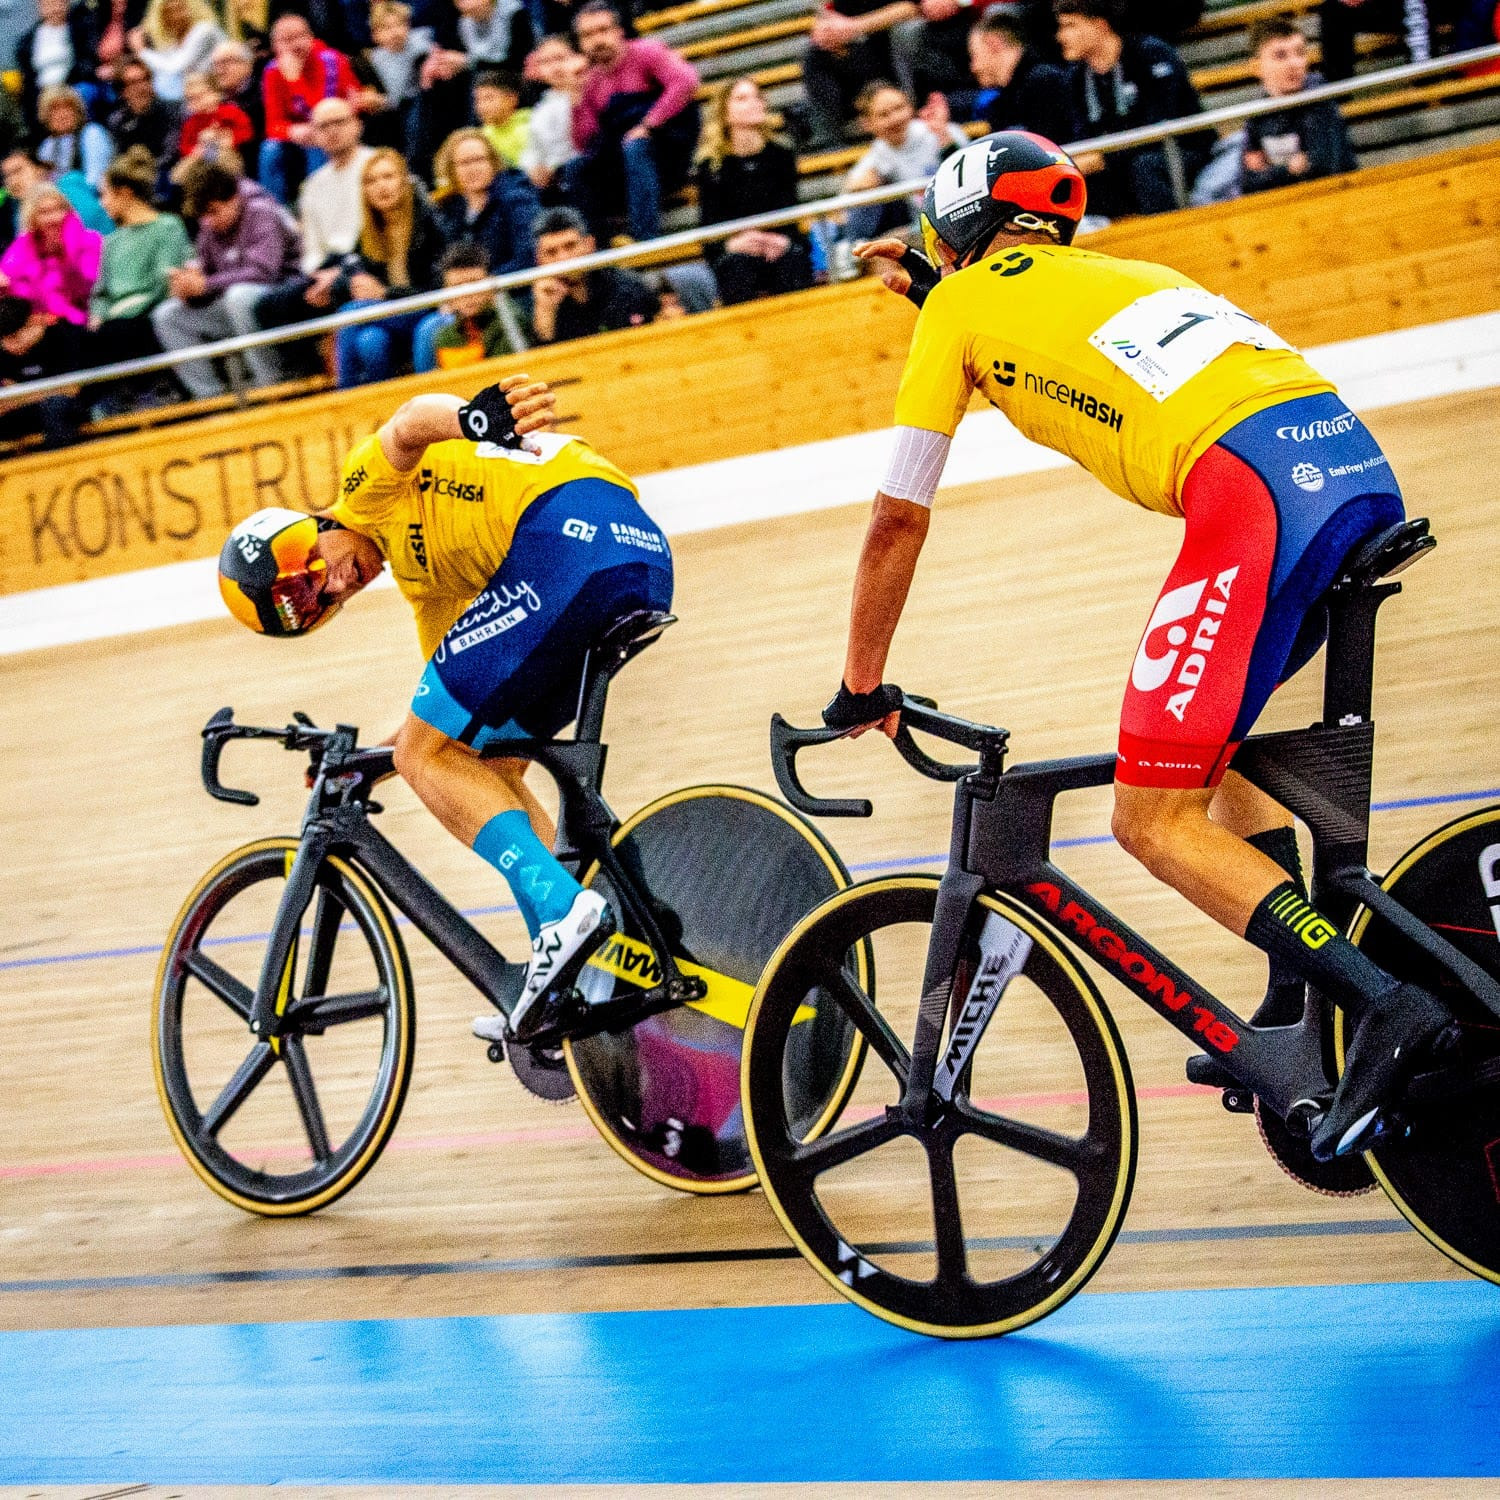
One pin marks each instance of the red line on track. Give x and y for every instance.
(530, 1136)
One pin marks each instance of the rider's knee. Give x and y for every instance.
(1143, 824)
(415, 747)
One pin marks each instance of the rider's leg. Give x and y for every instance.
(1232, 621)
(1171, 832)
(509, 668)
(487, 805)
(1264, 824)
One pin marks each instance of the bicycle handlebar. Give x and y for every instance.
(303, 734)
(916, 713)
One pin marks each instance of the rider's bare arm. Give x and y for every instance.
(428, 419)
(887, 563)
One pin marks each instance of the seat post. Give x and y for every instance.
(1349, 673)
(593, 692)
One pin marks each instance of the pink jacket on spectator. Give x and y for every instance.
(59, 285)
(642, 66)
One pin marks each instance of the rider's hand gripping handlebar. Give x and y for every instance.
(916, 713)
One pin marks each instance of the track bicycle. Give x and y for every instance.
(965, 1136)
(285, 1020)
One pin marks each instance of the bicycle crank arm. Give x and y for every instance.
(622, 1013)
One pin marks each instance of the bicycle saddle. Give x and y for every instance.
(628, 637)
(1386, 552)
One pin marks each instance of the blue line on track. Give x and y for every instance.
(1291, 1383)
(866, 867)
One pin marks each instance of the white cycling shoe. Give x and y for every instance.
(558, 952)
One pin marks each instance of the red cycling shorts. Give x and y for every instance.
(1272, 510)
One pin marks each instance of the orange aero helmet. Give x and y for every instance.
(1010, 180)
(268, 576)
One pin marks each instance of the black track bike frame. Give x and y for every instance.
(1001, 840)
(337, 824)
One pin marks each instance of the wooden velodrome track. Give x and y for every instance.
(1026, 612)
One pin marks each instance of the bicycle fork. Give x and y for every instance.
(957, 894)
(274, 987)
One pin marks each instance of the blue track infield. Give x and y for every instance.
(1345, 1381)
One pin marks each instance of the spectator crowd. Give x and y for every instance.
(176, 173)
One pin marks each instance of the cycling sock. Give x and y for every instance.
(544, 891)
(1284, 926)
(1283, 1001)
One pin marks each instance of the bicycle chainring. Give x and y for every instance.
(1343, 1177)
(543, 1070)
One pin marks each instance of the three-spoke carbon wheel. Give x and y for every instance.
(999, 1204)
(285, 1125)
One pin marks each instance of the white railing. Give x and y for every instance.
(691, 238)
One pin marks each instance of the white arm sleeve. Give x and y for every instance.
(916, 466)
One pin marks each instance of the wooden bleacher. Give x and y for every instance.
(1391, 247)
(768, 50)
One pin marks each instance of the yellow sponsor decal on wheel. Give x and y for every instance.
(728, 1000)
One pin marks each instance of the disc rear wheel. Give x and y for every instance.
(1446, 1177)
(730, 871)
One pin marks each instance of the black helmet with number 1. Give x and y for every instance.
(1010, 180)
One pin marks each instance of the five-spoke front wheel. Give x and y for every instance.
(992, 1200)
(283, 1125)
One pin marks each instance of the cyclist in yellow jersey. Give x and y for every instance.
(516, 547)
(1177, 401)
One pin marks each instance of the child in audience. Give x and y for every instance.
(549, 139)
(497, 98)
(1298, 143)
(904, 148)
(396, 60)
(471, 328)
(212, 125)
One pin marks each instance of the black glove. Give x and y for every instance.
(924, 275)
(489, 419)
(850, 710)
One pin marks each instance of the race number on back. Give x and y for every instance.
(1162, 340)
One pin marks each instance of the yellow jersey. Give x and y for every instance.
(446, 526)
(1129, 368)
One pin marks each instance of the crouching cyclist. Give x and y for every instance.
(1178, 401)
(516, 547)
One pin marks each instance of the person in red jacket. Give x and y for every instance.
(301, 72)
(212, 125)
(636, 120)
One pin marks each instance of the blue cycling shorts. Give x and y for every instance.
(583, 555)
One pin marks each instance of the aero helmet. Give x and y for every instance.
(1012, 179)
(268, 577)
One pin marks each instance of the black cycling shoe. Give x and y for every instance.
(1391, 1038)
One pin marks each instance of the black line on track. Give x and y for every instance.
(412, 1269)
